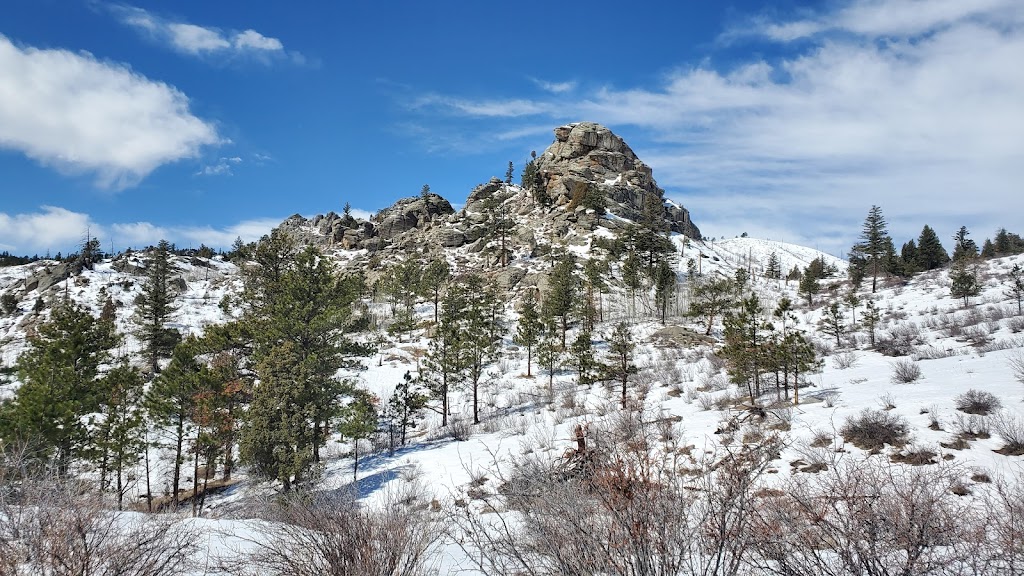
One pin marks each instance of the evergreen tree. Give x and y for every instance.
(120, 433)
(873, 246)
(435, 276)
(446, 359)
(833, 322)
(988, 249)
(358, 422)
(745, 337)
(532, 180)
(500, 224)
(529, 329)
(479, 334)
(930, 253)
(964, 247)
(509, 172)
(299, 311)
(405, 405)
(631, 279)
(773, 270)
(799, 357)
(871, 319)
(425, 192)
(582, 354)
(963, 281)
(909, 258)
(1015, 289)
(549, 351)
(155, 306)
(1008, 243)
(59, 374)
(594, 270)
(710, 298)
(852, 300)
(563, 292)
(809, 286)
(171, 400)
(664, 288)
(620, 357)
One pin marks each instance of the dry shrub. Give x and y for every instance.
(331, 534)
(867, 516)
(49, 527)
(845, 360)
(900, 340)
(1011, 429)
(1016, 363)
(905, 372)
(873, 429)
(977, 402)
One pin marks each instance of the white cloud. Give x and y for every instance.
(554, 87)
(914, 106)
(51, 228)
(196, 40)
(483, 108)
(78, 114)
(223, 167)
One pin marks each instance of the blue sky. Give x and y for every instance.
(202, 121)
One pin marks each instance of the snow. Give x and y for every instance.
(516, 415)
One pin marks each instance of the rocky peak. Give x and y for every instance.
(586, 155)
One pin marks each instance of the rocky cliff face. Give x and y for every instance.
(585, 157)
(588, 154)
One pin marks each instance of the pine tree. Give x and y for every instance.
(745, 337)
(171, 399)
(1016, 286)
(405, 405)
(664, 288)
(620, 357)
(529, 329)
(298, 315)
(359, 421)
(480, 336)
(963, 281)
(563, 291)
(809, 286)
(710, 298)
(909, 258)
(119, 435)
(964, 247)
(582, 354)
(594, 270)
(425, 192)
(833, 322)
(509, 172)
(930, 253)
(59, 374)
(873, 246)
(549, 352)
(435, 276)
(871, 319)
(446, 359)
(155, 306)
(773, 270)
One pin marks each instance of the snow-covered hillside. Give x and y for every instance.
(955, 348)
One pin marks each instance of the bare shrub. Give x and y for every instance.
(977, 402)
(1016, 362)
(905, 372)
(971, 426)
(933, 418)
(610, 506)
(900, 340)
(976, 335)
(331, 534)
(868, 516)
(1011, 429)
(706, 401)
(932, 353)
(829, 398)
(887, 401)
(873, 429)
(1015, 324)
(49, 527)
(845, 360)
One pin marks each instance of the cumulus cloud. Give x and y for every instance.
(910, 105)
(50, 228)
(54, 229)
(196, 40)
(75, 113)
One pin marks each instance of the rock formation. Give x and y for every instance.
(584, 158)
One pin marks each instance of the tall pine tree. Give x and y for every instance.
(874, 246)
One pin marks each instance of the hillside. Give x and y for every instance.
(936, 386)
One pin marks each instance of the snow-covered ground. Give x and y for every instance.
(956, 349)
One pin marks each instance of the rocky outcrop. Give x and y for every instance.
(409, 213)
(585, 155)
